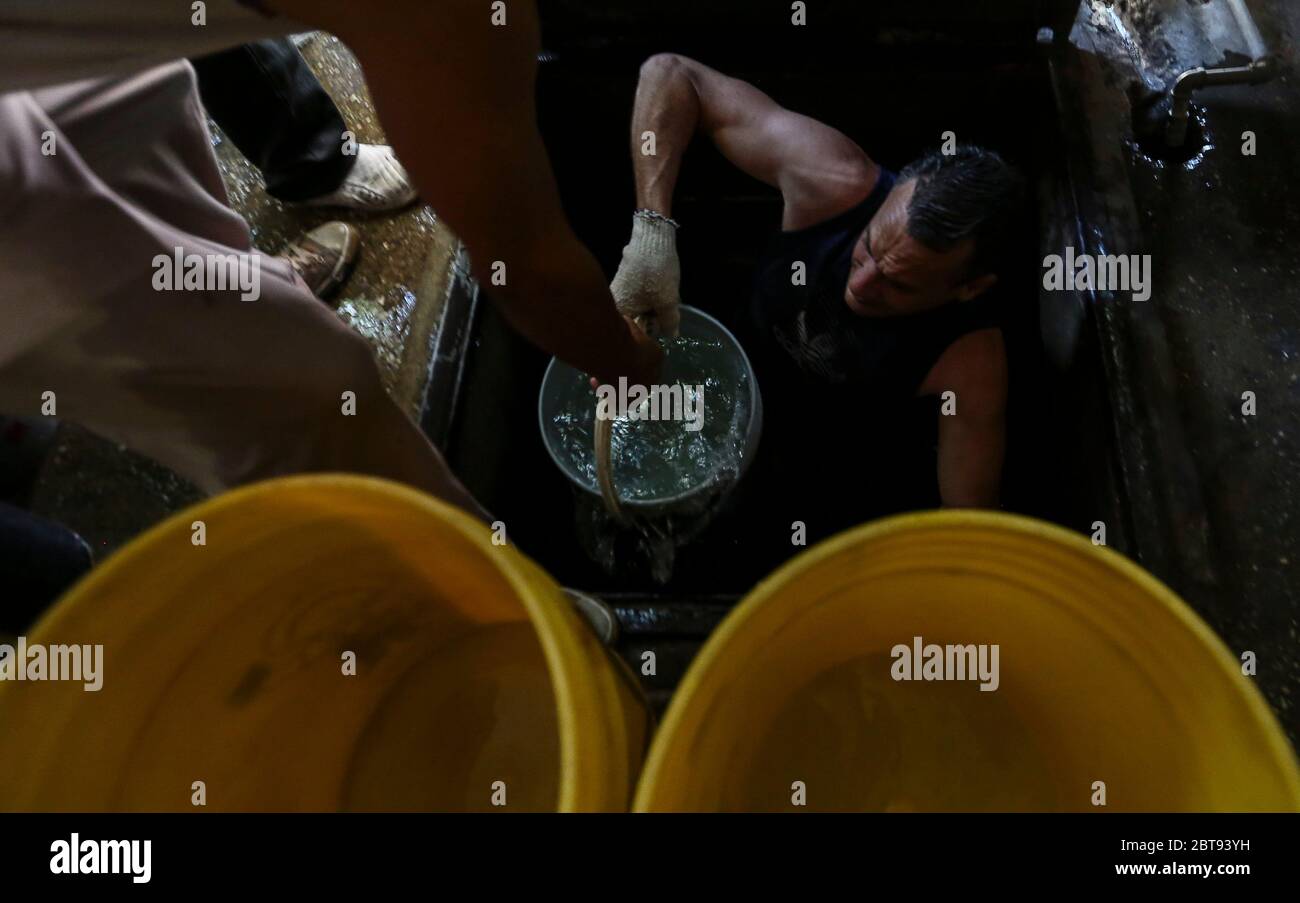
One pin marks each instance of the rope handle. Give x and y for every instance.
(604, 472)
(604, 436)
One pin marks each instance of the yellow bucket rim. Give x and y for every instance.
(562, 651)
(1280, 750)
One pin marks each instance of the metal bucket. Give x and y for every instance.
(560, 379)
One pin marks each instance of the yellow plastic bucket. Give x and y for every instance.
(1110, 689)
(225, 669)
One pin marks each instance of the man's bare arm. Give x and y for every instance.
(819, 170)
(972, 441)
(455, 94)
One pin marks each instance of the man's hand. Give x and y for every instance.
(647, 286)
(647, 357)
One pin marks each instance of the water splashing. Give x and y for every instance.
(671, 473)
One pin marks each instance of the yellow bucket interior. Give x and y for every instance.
(225, 669)
(1110, 690)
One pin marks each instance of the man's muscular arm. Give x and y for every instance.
(455, 94)
(819, 170)
(972, 442)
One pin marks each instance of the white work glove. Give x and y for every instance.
(647, 286)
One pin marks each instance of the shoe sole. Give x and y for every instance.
(357, 210)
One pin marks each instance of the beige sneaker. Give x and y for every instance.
(378, 183)
(325, 256)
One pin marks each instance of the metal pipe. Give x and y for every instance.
(1259, 70)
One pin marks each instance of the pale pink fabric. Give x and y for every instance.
(222, 390)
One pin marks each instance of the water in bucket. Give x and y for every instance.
(690, 436)
(671, 479)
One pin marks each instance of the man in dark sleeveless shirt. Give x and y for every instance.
(873, 293)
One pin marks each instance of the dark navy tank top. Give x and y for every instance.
(811, 326)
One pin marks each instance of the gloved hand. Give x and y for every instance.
(647, 286)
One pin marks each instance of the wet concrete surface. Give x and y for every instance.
(1223, 232)
(394, 298)
(104, 491)
(1164, 38)
(1226, 253)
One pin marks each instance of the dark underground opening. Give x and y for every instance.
(853, 465)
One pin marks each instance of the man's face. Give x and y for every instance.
(894, 274)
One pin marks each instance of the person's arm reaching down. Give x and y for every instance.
(455, 94)
(819, 171)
